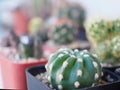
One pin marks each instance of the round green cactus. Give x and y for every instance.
(115, 46)
(35, 24)
(72, 70)
(63, 34)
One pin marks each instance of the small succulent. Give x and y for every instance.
(30, 47)
(115, 47)
(35, 24)
(26, 47)
(63, 33)
(72, 70)
(36, 27)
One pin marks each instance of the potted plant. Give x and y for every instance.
(13, 64)
(64, 34)
(70, 70)
(104, 38)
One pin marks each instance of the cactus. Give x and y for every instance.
(103, 50)
(72, 70)
(115, 47)
(63, 33)
(36, 27)
(116, 28)
(76, 13)
(26, 47)
(98, 31)
(30, 47)
(35, 24)
(38, 52)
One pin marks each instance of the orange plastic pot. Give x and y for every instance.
(13, 73)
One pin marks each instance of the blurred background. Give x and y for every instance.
(21, 20)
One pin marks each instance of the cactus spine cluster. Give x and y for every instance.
(72, 70)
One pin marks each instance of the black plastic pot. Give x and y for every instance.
(34, 84)
(114, 69)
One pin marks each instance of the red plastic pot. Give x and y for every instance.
(13, 73)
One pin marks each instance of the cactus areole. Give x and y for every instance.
(73, 70)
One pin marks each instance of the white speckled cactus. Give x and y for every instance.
(72, 70)
(115, 46)
(98, 31)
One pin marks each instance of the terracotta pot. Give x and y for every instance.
(13, 73)
(34, 84)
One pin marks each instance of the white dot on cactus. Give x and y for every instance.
(60, 87)
(96, 76)
(65, 64)
(66, 52)
(76, 84)
(60, 77)
(63, 31)
(79, 60)
(81, 53)
(79, 73)
(61, 55)
(49, 78)
(95, 55)
(86, 55)
(73, 56)
(61, 49)
(95, 64)
(76, 50)
(50, 86)
(85, 50)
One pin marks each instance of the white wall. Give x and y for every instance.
(101, 8)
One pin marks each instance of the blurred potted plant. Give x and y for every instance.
(64, 34)
(78, 70)
(28, 53)
(104, 37)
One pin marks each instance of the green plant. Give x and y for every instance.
(30, 47)
(36, 28)
(26, 47)
(72, 70)
(76, 13)
(98, 31)
(63, 34)
(115, 47)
